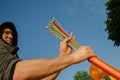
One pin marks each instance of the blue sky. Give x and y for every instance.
(85, 18)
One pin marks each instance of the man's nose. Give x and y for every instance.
(10, 35)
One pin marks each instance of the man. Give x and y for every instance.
(13, 68)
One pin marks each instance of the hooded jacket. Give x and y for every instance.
(8, 53)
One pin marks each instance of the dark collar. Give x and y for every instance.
(11, 49)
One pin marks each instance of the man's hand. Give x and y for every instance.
(65, 49)
(82, 53)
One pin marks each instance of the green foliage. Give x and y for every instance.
(113, 21)
(82, 75)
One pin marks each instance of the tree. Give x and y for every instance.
(113, 21)
(82, 75)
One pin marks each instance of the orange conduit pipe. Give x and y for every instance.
(105, 67)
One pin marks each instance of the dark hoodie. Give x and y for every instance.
(8, 53)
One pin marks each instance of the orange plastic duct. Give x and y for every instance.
(105, 67)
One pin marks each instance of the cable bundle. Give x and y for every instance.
(59, 32)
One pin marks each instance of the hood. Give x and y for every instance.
(11, 26)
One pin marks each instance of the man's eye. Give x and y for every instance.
(6, 32)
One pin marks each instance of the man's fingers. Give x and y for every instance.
(67, 39)
(72, 36)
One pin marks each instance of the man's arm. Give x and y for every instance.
(52, 76)
(40, 68)
(45, 75)
(64, 51)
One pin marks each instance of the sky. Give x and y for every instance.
(85, 18)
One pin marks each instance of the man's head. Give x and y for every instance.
(8, 33)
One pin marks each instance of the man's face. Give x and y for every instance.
(7, 35)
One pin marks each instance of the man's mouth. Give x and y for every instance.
(9, 41)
